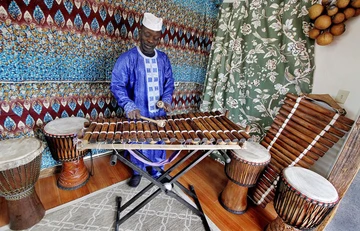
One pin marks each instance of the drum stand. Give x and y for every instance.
(164, 184)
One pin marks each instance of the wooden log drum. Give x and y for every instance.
(302, 200)
(243, 171)
(20, 161)
(59, 135)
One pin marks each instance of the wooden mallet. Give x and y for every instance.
(160, 123)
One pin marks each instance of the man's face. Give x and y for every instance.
(149, 39)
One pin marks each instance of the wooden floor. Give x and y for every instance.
(208, 178)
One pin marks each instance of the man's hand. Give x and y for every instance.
(167, 107)
(134, 114)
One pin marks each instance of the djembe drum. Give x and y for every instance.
(302, 200)
(20, 161)
(243, 171)
(59, 135)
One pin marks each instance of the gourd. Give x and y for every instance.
(329, 17)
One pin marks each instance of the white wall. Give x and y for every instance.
(338, 67)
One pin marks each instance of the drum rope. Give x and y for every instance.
(19, 195)
(297, 210)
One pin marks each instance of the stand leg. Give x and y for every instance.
(118, 202)
(137, 196)
(198, 211)
(137, 208)
(197, 202)
(159, 182)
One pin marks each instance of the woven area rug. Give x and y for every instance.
(96, 212)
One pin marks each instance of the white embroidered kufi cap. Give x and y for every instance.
(152, 22)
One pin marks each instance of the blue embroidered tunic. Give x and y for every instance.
(138, 82)
(130, 81)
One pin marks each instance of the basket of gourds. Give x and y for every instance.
(329, 19)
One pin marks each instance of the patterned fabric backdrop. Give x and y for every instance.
(261, 52)
(56, 56)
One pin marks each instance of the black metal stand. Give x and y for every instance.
(160, 182)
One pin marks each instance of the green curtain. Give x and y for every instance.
(261, 51)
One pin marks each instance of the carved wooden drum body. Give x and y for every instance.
(243, 171)
(20, 161)
(60, 136)
(302, 200)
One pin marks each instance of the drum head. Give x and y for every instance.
(310, 184)
(253, 152)
(19, 151)
(65, 126)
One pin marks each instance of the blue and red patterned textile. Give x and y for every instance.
(56, 56)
